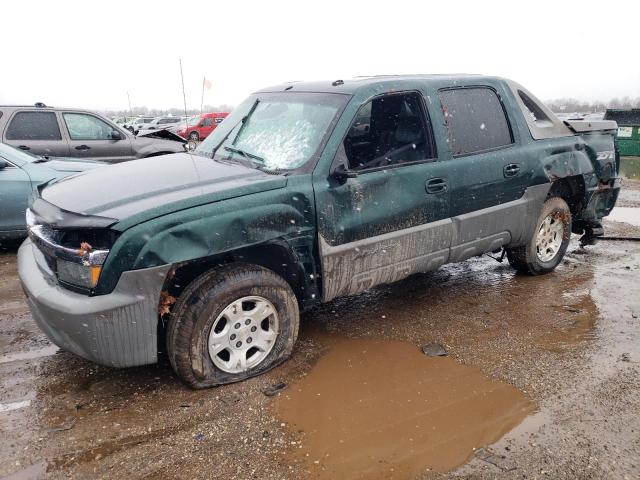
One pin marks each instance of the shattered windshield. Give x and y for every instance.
(281, 130)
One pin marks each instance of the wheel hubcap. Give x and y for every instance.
(243, 334)
(549, 239)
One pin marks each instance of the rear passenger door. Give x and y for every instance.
(90, 137)
(487, 172)
(36, 132)
(389, 217)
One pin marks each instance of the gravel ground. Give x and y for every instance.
(568, 342)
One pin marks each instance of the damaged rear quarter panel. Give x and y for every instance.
(214, 228)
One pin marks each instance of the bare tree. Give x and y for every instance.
(572, 105)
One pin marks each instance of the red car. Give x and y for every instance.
(199, 127)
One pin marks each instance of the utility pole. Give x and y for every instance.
(184, 96)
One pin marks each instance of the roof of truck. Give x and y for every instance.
(350, 86)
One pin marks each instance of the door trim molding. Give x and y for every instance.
(353, 267)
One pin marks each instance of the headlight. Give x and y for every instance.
(78, 274)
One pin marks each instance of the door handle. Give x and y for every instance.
(511, 170)
(24, 147)
(83, 147)
(436, 185)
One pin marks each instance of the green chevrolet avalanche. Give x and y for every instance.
(305, 193)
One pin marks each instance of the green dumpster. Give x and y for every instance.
(628, 130)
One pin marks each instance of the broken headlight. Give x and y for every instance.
(78, 274)
(76, 256)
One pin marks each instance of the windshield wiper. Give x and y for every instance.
(242, 122)
(248, 155)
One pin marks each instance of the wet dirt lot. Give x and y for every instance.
(542, 380)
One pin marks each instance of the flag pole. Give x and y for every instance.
(184, 96)
(129, 100)
(202, 97)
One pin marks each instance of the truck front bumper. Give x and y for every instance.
(117, 330)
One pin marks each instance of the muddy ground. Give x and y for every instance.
(542, 380)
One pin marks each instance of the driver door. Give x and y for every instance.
(206, 127)
(388, 216)
(90, 137)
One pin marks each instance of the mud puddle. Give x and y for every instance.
(382, 409)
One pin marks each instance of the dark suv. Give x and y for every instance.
(69, 132)
(305, 193)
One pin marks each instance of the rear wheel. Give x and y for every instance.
(549, 241)
(231, 324)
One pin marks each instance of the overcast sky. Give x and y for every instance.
(90, 54)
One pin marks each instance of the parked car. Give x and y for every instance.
(67, 132)
(20, 174)
(159, 123)
(135, 124)
(199, 127)
(287, 205)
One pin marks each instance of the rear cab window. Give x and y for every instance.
(475, 119)
(33, 126)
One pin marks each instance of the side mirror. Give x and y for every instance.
(116, 135)
(3, 164)
(342, 174)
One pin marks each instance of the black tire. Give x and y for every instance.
(195, 136)
(201, 303)
(525, 258)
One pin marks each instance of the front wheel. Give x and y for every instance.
(194, 136)
(549, 241)
(231, 324)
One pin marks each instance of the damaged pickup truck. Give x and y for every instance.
(307, 192)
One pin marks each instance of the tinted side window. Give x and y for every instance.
(206, 122)
(34, 126)
(475, 120)
(388, 130)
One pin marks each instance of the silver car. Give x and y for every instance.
(159, 123)
(69, 132)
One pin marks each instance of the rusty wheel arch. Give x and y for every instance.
(276, 256)
(572, 190)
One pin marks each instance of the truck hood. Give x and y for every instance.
(151, 187)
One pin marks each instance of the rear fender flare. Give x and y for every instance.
(563, 164)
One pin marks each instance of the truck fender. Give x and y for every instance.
(564, 163)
